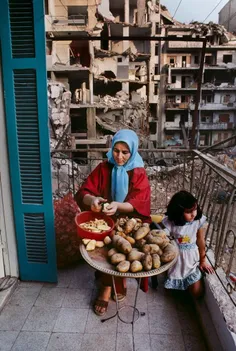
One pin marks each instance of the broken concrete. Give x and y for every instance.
(58, 112)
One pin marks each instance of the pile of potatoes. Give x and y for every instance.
(134, 247)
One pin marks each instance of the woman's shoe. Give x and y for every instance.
(100, 303)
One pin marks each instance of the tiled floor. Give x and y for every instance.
(59, 317)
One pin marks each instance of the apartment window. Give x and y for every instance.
(156, 89)
(224, 117)
(208, 60)
(77, 15)
(156, 49)
(206, 99)
(170, 118)
(196, 59)
(119, 59)
(184, 59)
(173, 79)
(156, 70)
(170, 99)
(152, 127)
(172, 61)
(226, 99)
(227, 58)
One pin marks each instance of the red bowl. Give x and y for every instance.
(87, 216)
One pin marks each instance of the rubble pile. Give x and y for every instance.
(210, 29)
(59, 100)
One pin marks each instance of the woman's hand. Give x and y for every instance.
(205, 267)
(111, 209)
(96, 204)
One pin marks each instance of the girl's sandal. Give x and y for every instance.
(100, 303)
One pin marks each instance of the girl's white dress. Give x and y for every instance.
(185, 271)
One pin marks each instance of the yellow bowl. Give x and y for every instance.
(157, 217)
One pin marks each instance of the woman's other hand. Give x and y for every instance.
(96, 204)
(111, 209)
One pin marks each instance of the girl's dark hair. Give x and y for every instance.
(179, 202)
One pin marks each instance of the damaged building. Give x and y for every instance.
(217, 116)
(148, 86)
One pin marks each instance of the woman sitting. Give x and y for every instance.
(122, 182)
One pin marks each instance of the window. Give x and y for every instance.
(226, 99)
(77, 15)
(170, 118)
(172, 61)
(156, 49)
(119, 59)
(208, 60)
(173, 79)
(156, 70)
(156, 89)
(196, 59)
(152, 127)
(227, 58)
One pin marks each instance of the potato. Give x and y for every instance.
(159, 232)
(112, 252)
(117, 258)
(141, 233)
(135, 255)
(155, 240)
(136, 266)
(104, 206)
(86, 241)
(121, 244)
(123, 266)
(91, 245)
(129, 225)
(140, 243)
(99, 244)
(147, 262)
(137, 226)
(169, 253)
(107, 240)
(150, 248)
(156, 261)
(127, 237)
(165, 243)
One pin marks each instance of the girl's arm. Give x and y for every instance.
(204, 266)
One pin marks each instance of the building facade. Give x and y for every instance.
(227, 16)
(149, 86)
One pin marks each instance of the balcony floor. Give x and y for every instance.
(59, 317)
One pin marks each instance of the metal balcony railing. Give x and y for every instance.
(170, 171)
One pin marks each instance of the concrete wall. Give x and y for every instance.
(8, 240)
(221, 53)
(227, 16)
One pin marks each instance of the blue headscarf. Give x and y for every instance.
(119, 176)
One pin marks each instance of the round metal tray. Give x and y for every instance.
(98, 260)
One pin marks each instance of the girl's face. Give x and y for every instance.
(190, 213)
(121, 153)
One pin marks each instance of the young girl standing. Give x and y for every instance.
(187, 225)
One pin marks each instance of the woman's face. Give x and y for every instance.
(121, 153)
(190, 214)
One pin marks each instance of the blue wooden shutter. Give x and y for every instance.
(25, 93)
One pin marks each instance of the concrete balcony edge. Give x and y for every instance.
(217, 314)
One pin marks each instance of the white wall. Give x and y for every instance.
(8, 239)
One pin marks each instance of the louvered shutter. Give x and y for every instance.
(25, 93)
